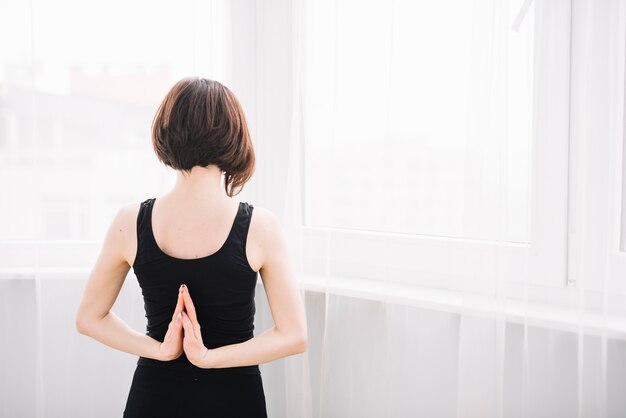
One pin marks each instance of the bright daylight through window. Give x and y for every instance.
(404, 134)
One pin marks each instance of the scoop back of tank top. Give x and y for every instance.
(222, 286)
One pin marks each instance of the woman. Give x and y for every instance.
(196, 253)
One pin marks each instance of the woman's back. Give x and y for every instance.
(222, 284)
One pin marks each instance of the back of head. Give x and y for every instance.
(201, 122)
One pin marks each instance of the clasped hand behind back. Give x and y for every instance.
(183, 333)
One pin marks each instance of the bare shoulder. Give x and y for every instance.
(266, 238)
(264, 222)
(125, 223)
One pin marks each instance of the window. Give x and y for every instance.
(402, 137)
(418, 152)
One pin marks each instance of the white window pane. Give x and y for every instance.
(414, 126)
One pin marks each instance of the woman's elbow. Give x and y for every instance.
(300, 345)
(294, 342)
(79, 323)
(82, 324)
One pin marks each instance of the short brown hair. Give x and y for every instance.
(201, 122)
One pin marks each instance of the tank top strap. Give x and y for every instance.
(241, 227)
(145, 244)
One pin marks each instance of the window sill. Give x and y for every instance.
(540, 314)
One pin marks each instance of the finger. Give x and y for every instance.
(191, 309)
(196, 330)
(174, 328)
(190, 341)
(189, 330)
(191, 312)
(178, 322)
(179, 306)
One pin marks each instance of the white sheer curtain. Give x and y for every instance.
(519, 184)
(79, 85)
(451, 188)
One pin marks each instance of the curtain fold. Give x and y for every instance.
(507, 349)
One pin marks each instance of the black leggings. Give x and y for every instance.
(160, 392)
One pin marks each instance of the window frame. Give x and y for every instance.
(596, 188)
(384, 256)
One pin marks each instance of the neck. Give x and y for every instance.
(200, 183)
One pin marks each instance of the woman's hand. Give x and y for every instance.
(172, 346)
(194, 348)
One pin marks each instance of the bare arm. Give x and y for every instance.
(94, 316)
(288, 336)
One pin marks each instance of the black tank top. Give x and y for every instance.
(222, 286)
